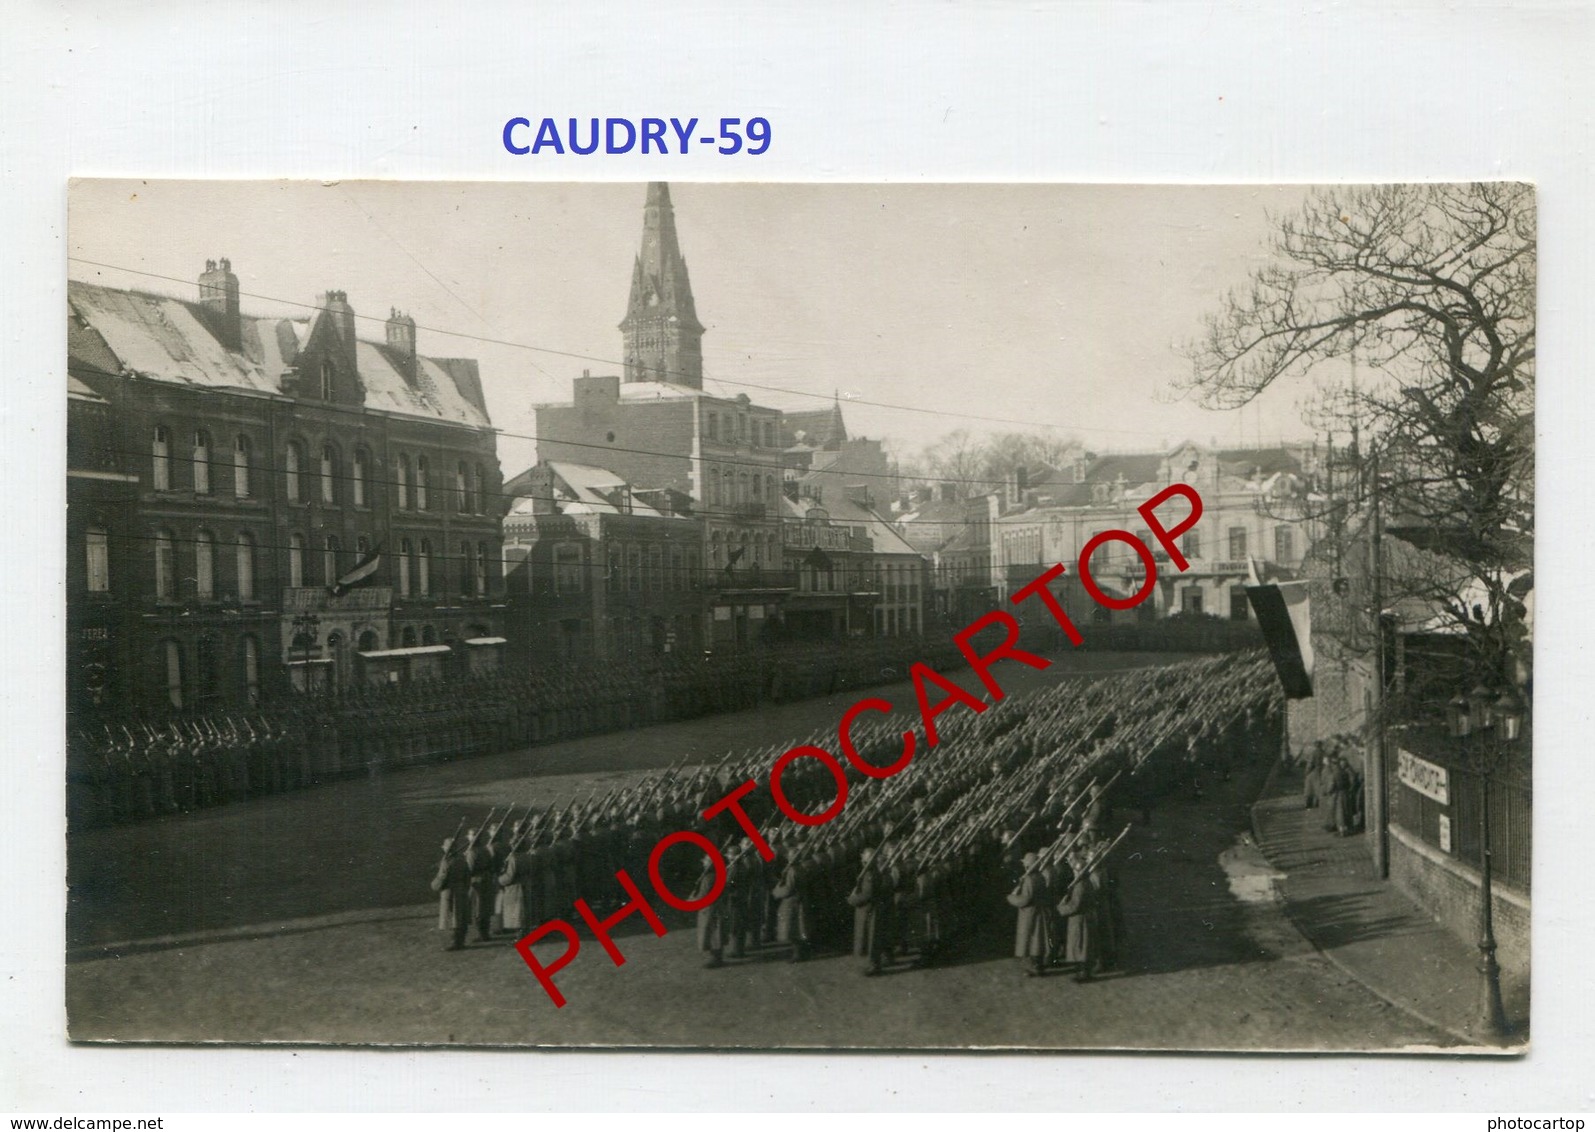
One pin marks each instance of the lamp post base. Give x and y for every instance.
(1492, 1011)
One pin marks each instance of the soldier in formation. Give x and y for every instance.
(1013, 812)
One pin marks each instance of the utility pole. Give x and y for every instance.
(1376, 779)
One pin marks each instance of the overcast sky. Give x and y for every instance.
(1050, 305)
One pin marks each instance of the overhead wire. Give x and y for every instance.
(554, 352)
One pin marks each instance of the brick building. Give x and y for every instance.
(231, 469)
(595, 570)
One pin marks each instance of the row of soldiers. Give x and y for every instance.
(1331, 781)
(1013, 810)
(144, 766)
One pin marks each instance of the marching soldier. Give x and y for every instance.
(1032, 942)
(868, 898)
(792, 908)
(483, 870)
(452, 883)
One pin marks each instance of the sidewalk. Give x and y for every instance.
(1368, 927)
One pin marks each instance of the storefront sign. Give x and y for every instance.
(1425, 777)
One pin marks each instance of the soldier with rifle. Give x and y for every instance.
(484, 878)
(452, 883)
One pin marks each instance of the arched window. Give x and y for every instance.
(404, 567)
(481, 569)
(329, 472)
(358, 480)
(172, 672)
(465, 569)
(241, 466)
(97, 552)
(401, 483)
(742, 488)
(161, 459)
(326, 381)
(293, 461)
(165, 565)
(422, 482)
(423, 569)
(368, 640)
(329, 559)
(429, 635)
(204, 565)
(462, 487)
(251, 666)
(296, 560)
(245, 553)
(409, 637)
(201, 463)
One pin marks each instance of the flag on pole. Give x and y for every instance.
(1285, 617)
(363, 569)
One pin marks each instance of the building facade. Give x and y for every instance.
(270, 459)
(1252, 503)
(658, 429)
(593, 571)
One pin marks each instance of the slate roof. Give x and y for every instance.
(167, 339)
(587, 490)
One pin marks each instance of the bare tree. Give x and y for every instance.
(960, 458)
(1428, 292)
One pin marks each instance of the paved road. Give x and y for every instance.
(1212, 962)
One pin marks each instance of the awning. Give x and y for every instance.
(486, 641)
(413, 650)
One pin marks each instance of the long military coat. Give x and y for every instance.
(792, 906)
(711, 920)
(1032, 939)
(453, 886)
(870, 898)
(1081, 908)
(512, 884)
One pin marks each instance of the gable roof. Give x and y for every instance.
(820, 428)
(170, 340)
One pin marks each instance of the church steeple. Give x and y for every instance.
(661, 332)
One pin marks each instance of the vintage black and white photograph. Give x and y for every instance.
(800, 616)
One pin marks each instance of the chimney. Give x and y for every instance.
(337, 305)
(218, 297)
(401, 340)
(949, 492)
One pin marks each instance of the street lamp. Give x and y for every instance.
(1497, 721)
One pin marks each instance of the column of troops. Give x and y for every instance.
(1013, 812)
(147, 765)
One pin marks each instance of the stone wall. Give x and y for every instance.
(1449, 891)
